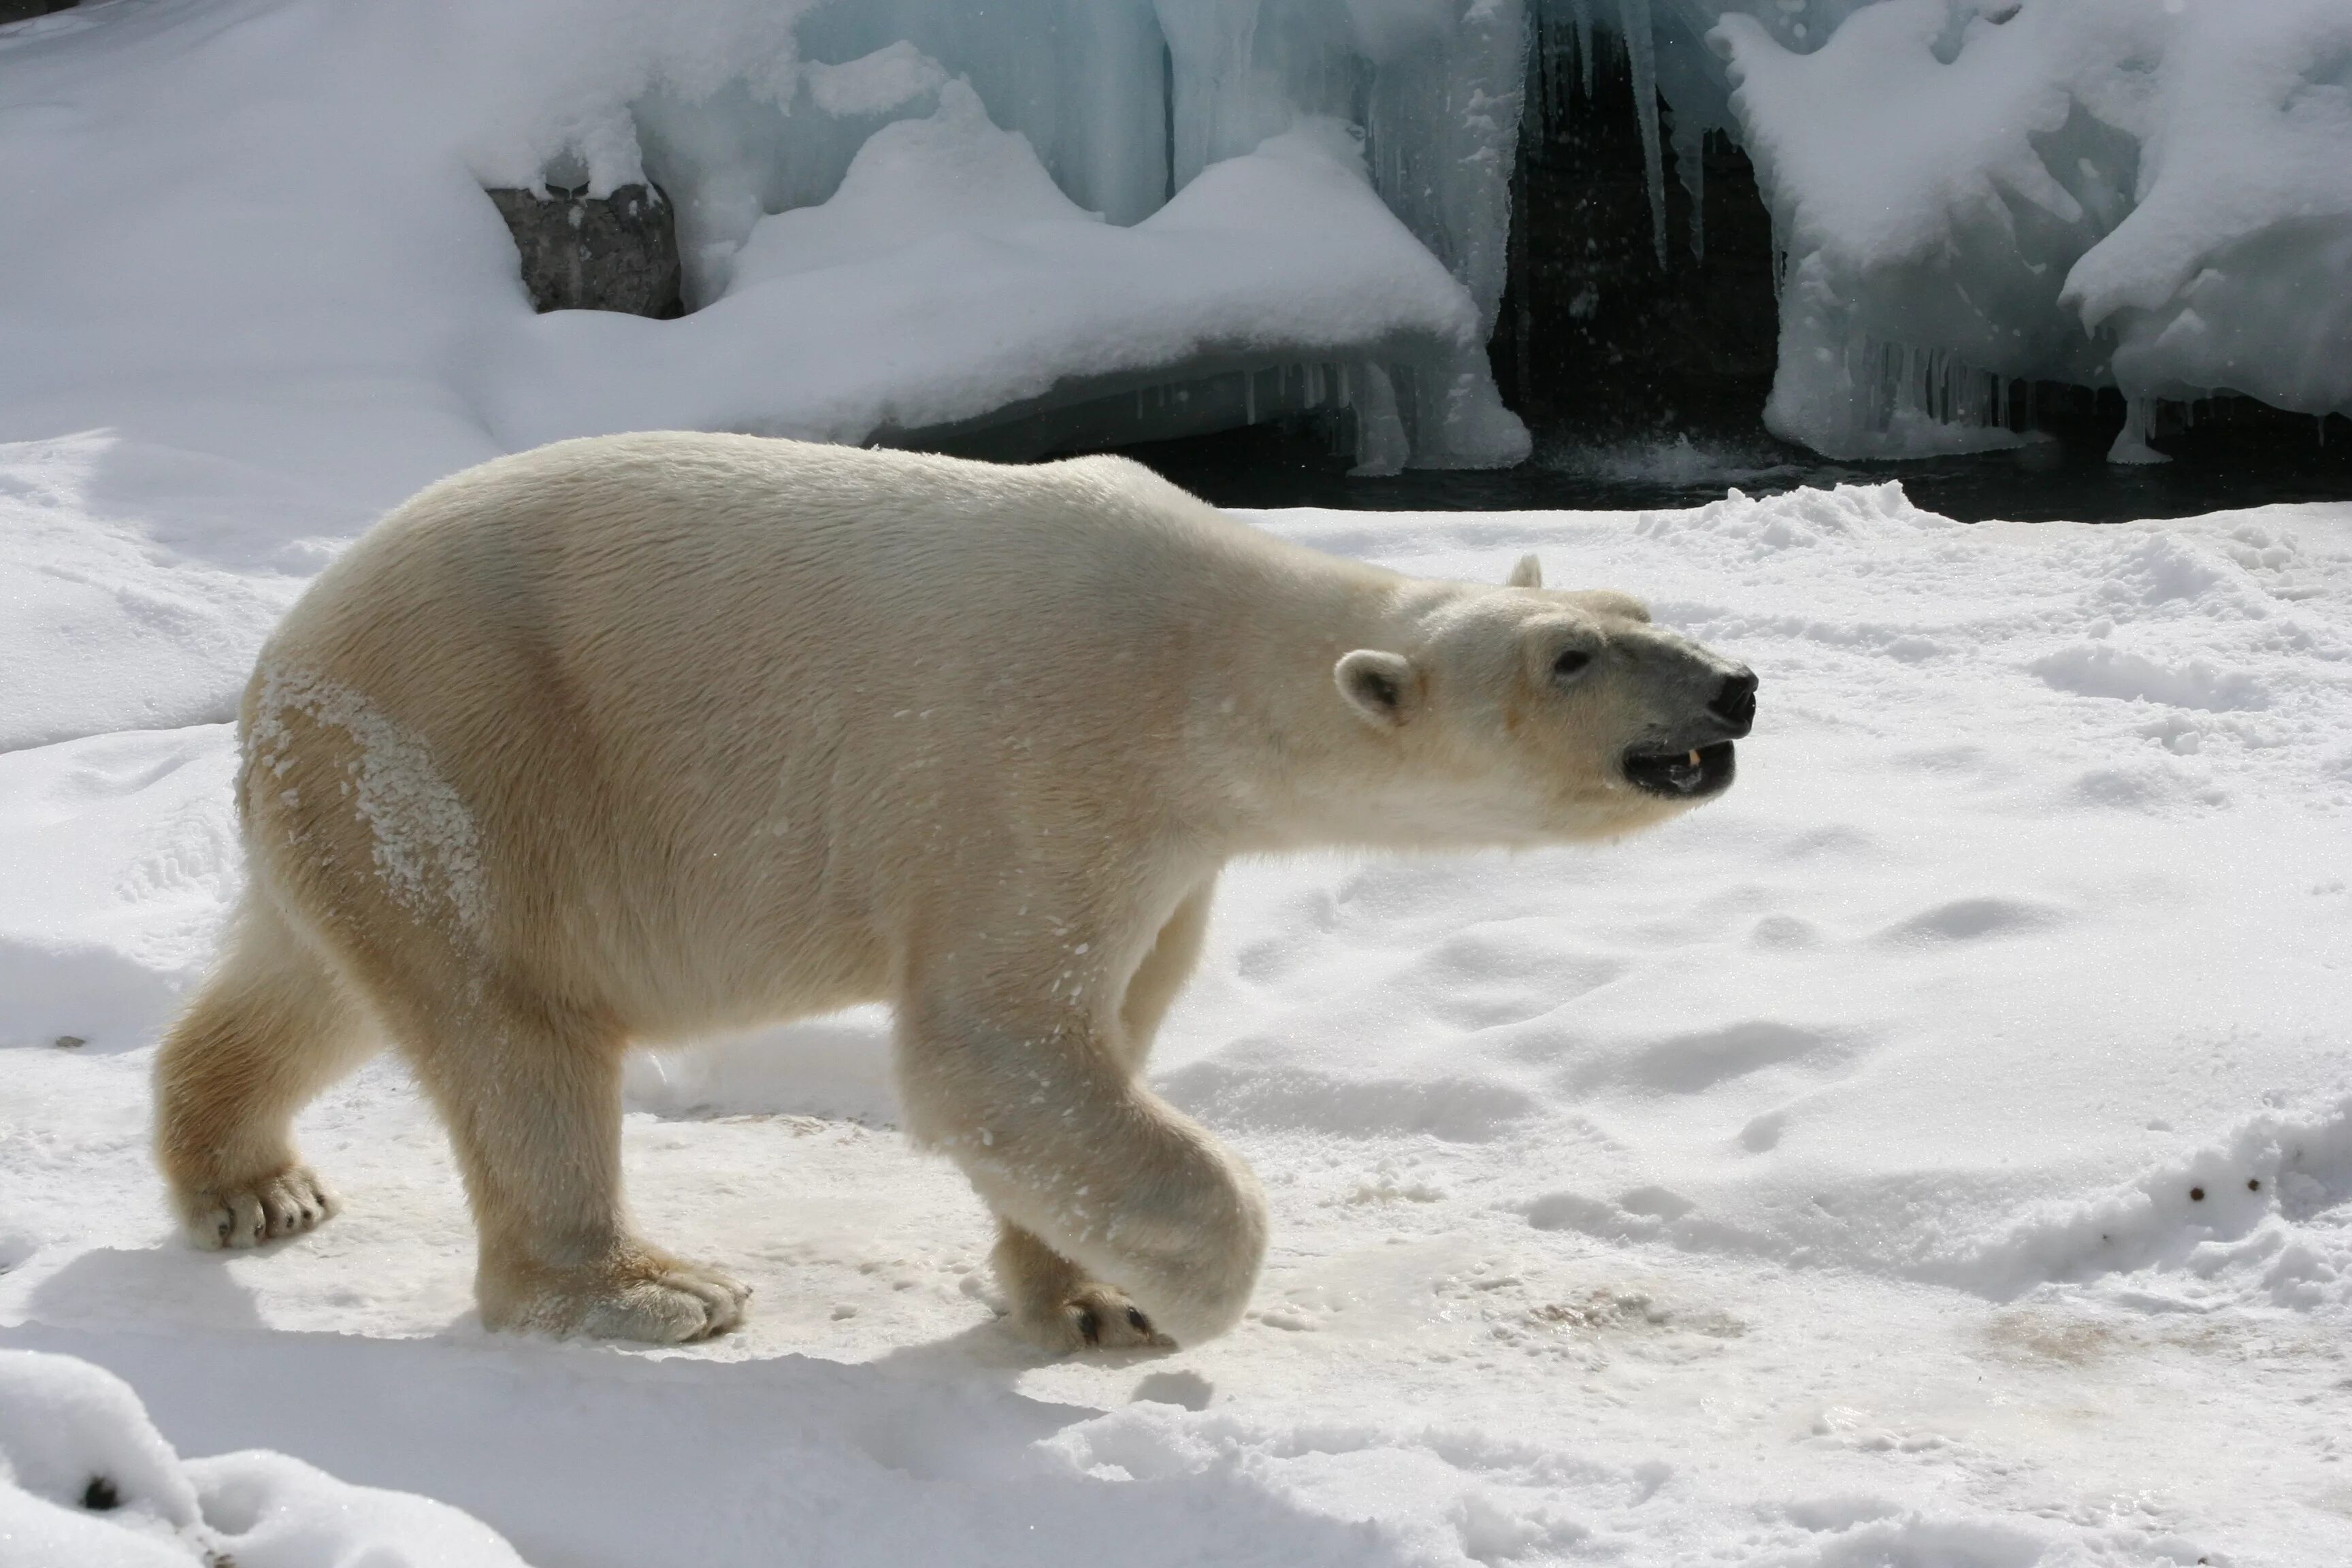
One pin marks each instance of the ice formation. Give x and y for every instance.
(2150, 195)
(1081, 222)
(914, 121)
(949, 282)
(1176, 173)
(2156, 196)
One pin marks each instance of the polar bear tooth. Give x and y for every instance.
(1693, 758)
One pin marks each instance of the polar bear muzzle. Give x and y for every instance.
(1700, 759)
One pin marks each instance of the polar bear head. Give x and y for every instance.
(1521, 716)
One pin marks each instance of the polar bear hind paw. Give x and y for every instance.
(285, 1202)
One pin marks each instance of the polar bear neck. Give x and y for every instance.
(1295, 767)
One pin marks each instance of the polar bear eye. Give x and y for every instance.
(1571, 664)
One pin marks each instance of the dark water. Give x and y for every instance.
(2062, 477)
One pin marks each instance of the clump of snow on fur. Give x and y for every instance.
(424, 837)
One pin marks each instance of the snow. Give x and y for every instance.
(1939, 1150)
(2100, 192)
(2154, 196)
(119, 618)
(949, 277)
(890, 78)
(324, 251)
(86, 1479)
(1856, 1170)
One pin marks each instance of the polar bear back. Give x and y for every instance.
(727, 711)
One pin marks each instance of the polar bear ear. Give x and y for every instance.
(1382, 688)
(1527, 573)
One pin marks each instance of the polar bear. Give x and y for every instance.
(628, 738)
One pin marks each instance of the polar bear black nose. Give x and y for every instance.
(1735, 701)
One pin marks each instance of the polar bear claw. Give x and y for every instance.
(286, 1204)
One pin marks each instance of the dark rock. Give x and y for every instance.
(25, 10)
(596, 253)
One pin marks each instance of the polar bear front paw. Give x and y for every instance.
(1092, 1317)
(651, 1300)
(684, 1304)
(1055, 1306)
(285, 1202)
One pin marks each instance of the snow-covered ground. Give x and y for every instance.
(1937, 1151)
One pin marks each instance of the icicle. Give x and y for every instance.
(1382, 445)
(1633, 15)
(1547, 89)
(2131, 442)
(1582, 11)
(1690, 167)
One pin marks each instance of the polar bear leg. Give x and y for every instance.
(271, 1029)
(1055, 1305)
(530, 1093)
(1057, 1138)
(1054, 1302)
(1154, 986)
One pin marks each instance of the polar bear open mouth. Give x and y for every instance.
(1682, 775)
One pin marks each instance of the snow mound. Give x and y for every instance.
(86, 1479)
(2100, 192)
(949, 277)
(914, 180)
(2253, 1217)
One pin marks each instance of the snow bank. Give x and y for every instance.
(85, 1478)
(2100, 192)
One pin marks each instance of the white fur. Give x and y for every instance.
(629, 739)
